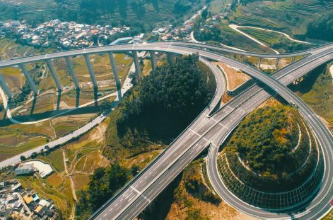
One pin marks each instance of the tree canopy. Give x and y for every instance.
(162, 105)
(103, 184)
(321, 28)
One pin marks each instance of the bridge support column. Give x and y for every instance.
(153, 59)
(91, 71)
(7, 108)
(137, 65)
(72, 73)
(259, 63)
(5, 87)
(29, 79)
(116, 76)
(54, 75)
(277, 63)
(293, 59)
(169, 57)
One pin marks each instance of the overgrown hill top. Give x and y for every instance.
(272, 150)
(156, 110)
(266, 138)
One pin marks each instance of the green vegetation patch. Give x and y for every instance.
(194, 183)
(55, 158)
(271, 149)
(222, 33)
(276, 41)
(103, 184)
(160, 107)
(289, 16)
(265, 138)
(321, 28)
(316, 89)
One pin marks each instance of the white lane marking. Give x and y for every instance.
(201, 136)
(219, 123)
(141, 194)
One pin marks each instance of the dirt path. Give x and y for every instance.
(235, 27)
(53, 129)
(223, 45)
(69, 176)
(279, 32)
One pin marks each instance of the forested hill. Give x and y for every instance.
(321, 28)
(160, 107)
(147, 13)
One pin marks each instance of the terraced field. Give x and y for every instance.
(290, 16)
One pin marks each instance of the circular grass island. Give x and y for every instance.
(272, 160)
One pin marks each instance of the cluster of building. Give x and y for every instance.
(179, 33)
(68, 35)
(19, 203)
(184, 32)
(32, 167)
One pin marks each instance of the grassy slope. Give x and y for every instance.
(276, 41)
(40, 11)
(317, 91)
(271, 156)
(290, 16)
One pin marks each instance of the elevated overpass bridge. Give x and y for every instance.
(210, 128)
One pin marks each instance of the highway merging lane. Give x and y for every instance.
(136, 195)
(313, 210)
(219, 126)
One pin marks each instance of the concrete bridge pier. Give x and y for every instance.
(5, 87)
(153, 59)
(29, 79)
(33, 104)
(9, 101)
(54, 75)
(116, 76)
(277, 63)
(137, 65)
(91, 71)
(72, 73)
(58, 99)
(293, 59)
(259, 63)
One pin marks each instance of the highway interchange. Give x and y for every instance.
(212, 131)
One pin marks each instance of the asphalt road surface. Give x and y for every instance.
(136, 195)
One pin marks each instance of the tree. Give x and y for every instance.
(23, 158)
(103, 184)
(33, 155)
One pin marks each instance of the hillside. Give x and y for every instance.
(137, 13)
(191, 197)
(160, 107)
(316, 89)
(289, 16)
(269, 150)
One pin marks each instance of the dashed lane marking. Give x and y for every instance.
(141, 194)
